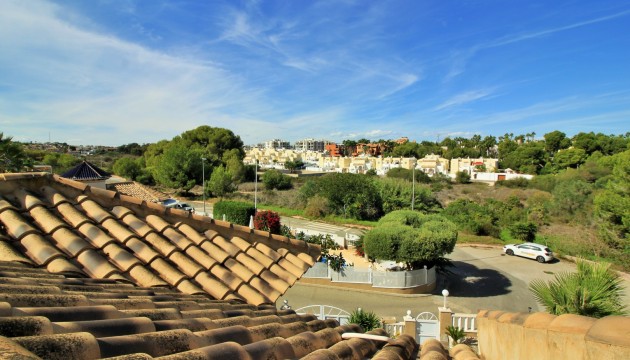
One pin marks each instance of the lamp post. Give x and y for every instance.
(413, 187)
(445, 293)
(203, 182)
(255, 185)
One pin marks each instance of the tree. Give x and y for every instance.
(220, 182)
(293, 165)
(569, 158)
(612, 205)
(412, 238)
(214, 141)
(274, 179)
(127, 167)
(355, 195)
(234, 164)
(556, 140)
(178, 166)
(12, 155)
(60, 162)
(593, 291)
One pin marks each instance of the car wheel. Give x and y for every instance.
(540, 259)
(509, 252)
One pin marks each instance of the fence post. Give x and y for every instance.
(446, 319)
(410, 325)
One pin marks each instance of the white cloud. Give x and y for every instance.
(71, 81)
(464, 98)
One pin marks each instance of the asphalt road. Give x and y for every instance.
(483, 279)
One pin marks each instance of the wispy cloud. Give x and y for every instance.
(460, 58)
(464, 98)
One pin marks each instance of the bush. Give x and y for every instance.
(520, 182)
(462, 177)
(317, 207)
(383, 242)
(235, 212)
(367, 320)
(324, 241)
(412, 238)
(524, 231)
(268, 221)
(274, 179)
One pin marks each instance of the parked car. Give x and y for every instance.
(540, 253)
(184, 206)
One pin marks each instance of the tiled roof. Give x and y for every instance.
(139, 191)
(87, 273)
(86, 171)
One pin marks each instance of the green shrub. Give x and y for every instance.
(462, 177)
(382, 242)
(336, 262)
(367, 320)
(274, 179)
(524, 231)
(456, 333)
(235, 212)
(520, 182)
(317, 207)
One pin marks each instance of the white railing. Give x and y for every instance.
(395, 329)
(467, 322)
(378, 279)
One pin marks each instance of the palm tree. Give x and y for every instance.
(12, 157)
(593, 291)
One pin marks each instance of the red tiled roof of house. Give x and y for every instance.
(87, 273)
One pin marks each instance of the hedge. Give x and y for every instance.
(234, 211)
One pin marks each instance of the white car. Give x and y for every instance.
(539, 252)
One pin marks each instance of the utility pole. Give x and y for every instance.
(203, 182)
(413, 187)
(255, 185)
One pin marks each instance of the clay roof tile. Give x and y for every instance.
(81, 345)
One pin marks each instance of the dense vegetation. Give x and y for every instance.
(412, 238)
(579, 202)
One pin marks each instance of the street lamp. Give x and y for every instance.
(413, 187)
(203, 183)
(445, 293)
(255, 185)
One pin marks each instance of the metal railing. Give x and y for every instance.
(380, 279)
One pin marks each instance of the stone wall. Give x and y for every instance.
(543, 336)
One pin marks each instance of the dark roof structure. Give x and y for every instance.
(86, 171)
(87, 273)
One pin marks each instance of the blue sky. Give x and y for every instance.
(112, 72)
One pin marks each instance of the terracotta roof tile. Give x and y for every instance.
(25, 326)
(104, 328)
(159, 343)
(128, 279)
(76, 313)
(79, 345)
(9, 253)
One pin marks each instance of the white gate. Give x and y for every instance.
(324, 312)
(427, 327)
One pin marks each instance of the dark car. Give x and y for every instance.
(184, 206)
